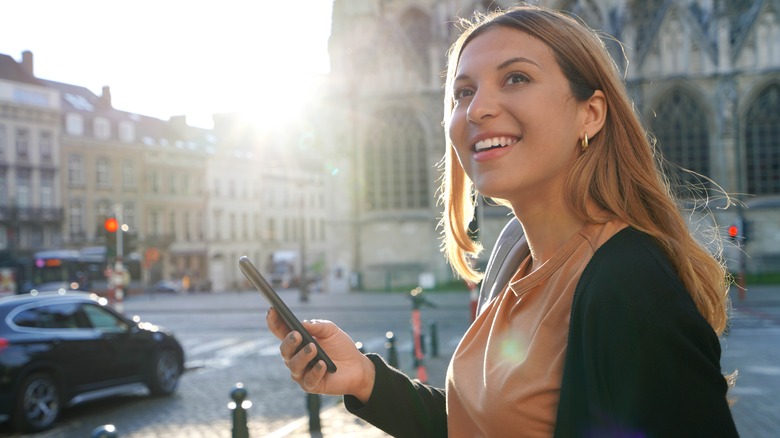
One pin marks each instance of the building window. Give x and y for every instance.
(76, 220)
(154, 219)
(23, 188)
(22, 143)
(154, 181)
(126, 132)
(762, 143)
(103, 210)
(75, 170)
(396, 166)
(217, 226)
(3, 141)
(681, 131)
(128, 215)
(47, 189)
(3, 188)
(271, 229)
(186, 226)
(103, 172)
(199, 226)
(172, 183)
(46, 146)
(172, 224)
(102, 128)
(74, 124)
(128, 175)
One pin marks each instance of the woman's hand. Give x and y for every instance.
(355, 372)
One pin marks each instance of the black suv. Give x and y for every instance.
(62, 348)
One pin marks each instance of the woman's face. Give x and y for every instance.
(515, 124)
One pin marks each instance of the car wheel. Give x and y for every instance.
(37, 404)
(165, 373)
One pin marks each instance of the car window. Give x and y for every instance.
(103, 320)
(53, 316)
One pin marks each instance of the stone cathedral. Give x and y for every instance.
(704, 76)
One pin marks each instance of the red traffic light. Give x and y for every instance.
(733, 231)
(111, 225)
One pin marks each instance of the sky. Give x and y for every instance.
(177, 57)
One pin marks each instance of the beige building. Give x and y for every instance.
(145, 172)
(31, 206)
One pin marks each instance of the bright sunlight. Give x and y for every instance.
(162, 58)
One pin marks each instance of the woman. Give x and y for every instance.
(609, 325)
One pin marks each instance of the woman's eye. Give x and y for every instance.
(516, 78)
(460, 93)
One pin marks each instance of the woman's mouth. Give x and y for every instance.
(494, 142)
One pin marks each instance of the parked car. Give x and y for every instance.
(165, 286)
(58, 349)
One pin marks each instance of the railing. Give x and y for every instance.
(33, 214)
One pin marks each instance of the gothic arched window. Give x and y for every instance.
(762, 143)
(681, 130)
(396, 170)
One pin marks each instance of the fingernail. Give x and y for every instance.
(307, 349)
(291, 337)
(318, 365)
(268, 312)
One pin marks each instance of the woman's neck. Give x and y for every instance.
(547, 230)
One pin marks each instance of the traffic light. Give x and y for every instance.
(111, 224)
(733, 231)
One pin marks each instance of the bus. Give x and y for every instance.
(82, 269)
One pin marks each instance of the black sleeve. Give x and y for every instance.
(642, 361)
(400, 406)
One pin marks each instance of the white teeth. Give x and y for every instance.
(493, 142)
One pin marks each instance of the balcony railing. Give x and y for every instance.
(31, 214)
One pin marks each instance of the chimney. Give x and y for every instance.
(27, 62)
(179, 125)
(105, 98)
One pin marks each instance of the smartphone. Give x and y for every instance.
(289, 318)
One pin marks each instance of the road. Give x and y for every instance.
(226, 342)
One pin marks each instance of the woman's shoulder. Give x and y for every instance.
(631, 269)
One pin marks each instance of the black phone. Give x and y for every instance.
(293, 323)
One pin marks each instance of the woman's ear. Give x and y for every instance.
(596, 113)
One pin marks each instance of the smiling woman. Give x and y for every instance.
(179, 57)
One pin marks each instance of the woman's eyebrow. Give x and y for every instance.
(511, 61)
(501, 66)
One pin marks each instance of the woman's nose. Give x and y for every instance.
(482, 106)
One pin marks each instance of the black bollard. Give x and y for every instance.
(239, 405)
(313, 406)
(434, 340)
(104, 431)
(392, 352)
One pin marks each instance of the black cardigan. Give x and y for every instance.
(641, 361)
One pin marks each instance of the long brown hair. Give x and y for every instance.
(621, 173)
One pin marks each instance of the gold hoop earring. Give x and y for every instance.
(585, 143)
